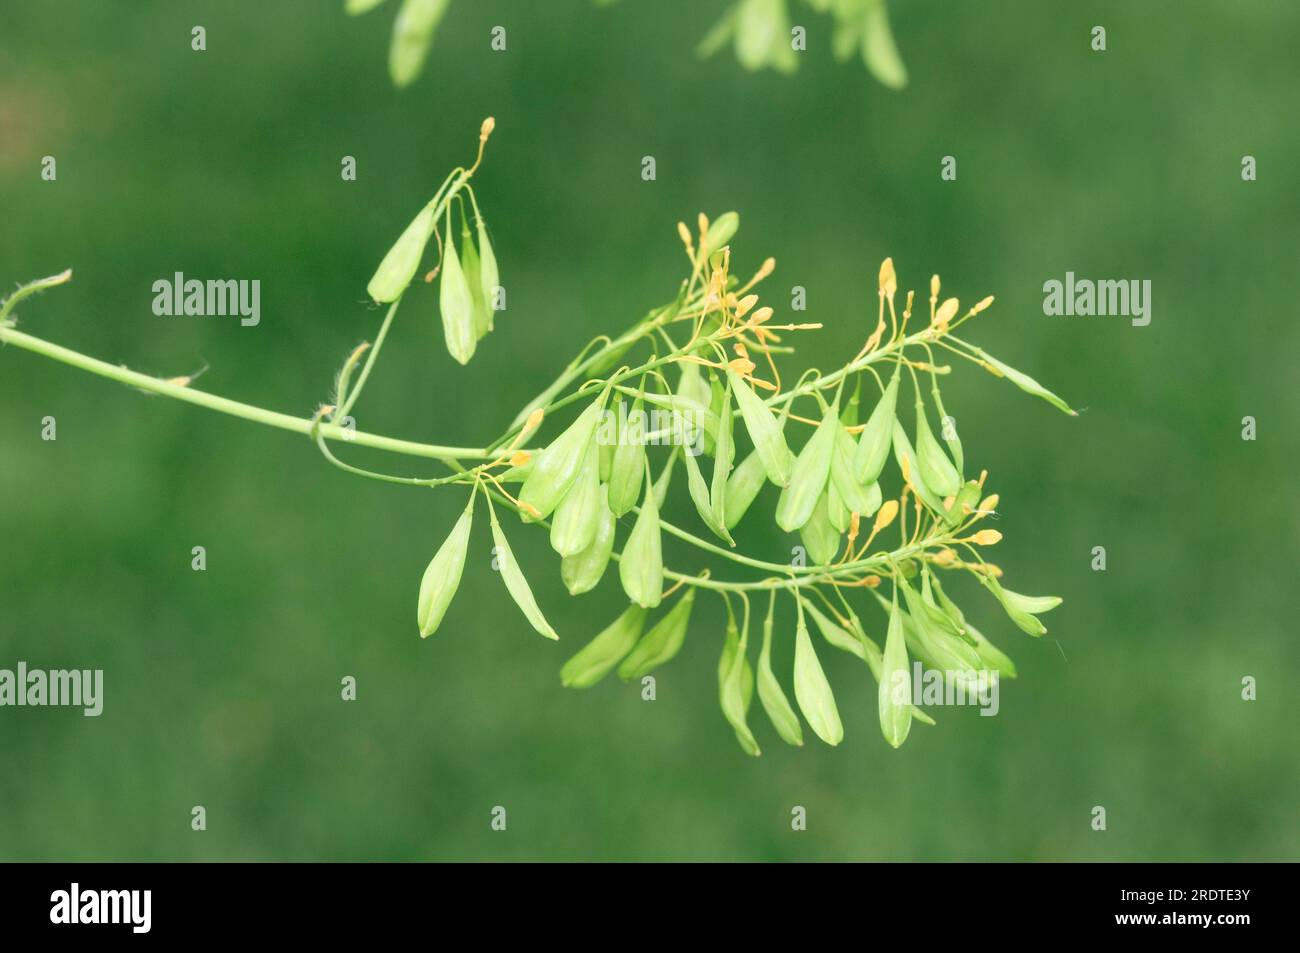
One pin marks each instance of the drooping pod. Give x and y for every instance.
(399, 266)
(1025, 382)
(764, 430)
(742, 486)
(629, 462)
(662, 642)
(770, 695)
(583, 570)
(489, 276)
(853, 494)
(456, 304)
(412, 36)
(577, 517)
(1021, 609)
(442, 577)
(736, 685)
(641, 568)
(895, 691)
(877, 436)
(469, 263)
(937, 471)
(699, 492)
(595, 659)
(557, 466)
(907, 464)
(515, 582)
(808, 476)
(811, 689)
(819, 535)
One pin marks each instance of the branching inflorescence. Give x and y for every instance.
(695, 384)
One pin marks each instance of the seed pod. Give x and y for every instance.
(721, 230)
(968, 495)
(770, 695)
(877, 435)
(583, 570)
(662, 642)
(1025, 382)
(1022, 610)
(629, 462)
(849, 415)
(515, 582)
(607, 438)
(819, 536)
(469, 264)
(895, 692)
(693, 418)
(736, 686)
(594, 660)
(456, 305)
(764, 430)
(907, 464)
(641, 569)
(808, 476)
(412, 36)
(724, 455)
(835, 634)
(836, 511)
(358, 7)
(489, 278)
(937, 648)
(852, 493)
(577, 517)
(812, 691)
(557, 467)
(442, 577)
(742, 486)
(403, 259)
(875, 659)
(991, 655)
(700, 497)
(937, 471)
(665, 477)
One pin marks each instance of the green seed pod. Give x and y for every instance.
(808, 476)
(641, 569)
(456, 305)
(906, 458)
(515, 582)
(442, 578)
(764, 430)
(852, 493)
(629, 462)
(875, 659)
(721, 230)
(936, 616)
(489, 277)
(991, 655)
(895, 692)
(742, 486)
(583, 570)
(770, 695)
(937, 648)
(403, 259)
(968, 495)
(936, 469)
(556, 469)
(607, 439)
(665, 478)
(578, 515)
(849, 415)
(662, 642)
(819, 536)
(836, 511)
(736, 686)
(812, 691)
(412, 36)
(835, 634)
(1026, 383)
(1022, 610)
(469, 264)
(877, 436)
(357, 7)
(594, 660)
(724, 456)
(700, 497)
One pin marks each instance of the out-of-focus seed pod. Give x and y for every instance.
(721, 230)
(736, 686)
(764, 430)
(641, 568)
(357, 7)
(742, 486)
(937, 471)
(578, 516)
(583, 570)
(991, 655)
(895, 691)
(456, 305)
(662, 642)
(469, 264)
(808, 476)
(557, 466)
(812, 691)
(877, 436)
(967, 496)
(489, 277)
(1025, 382)
(403, 259)
(629, 462)
(516, 584)
(412, 36)
(593, 661)
(442, 577)
(770, 695)
(819, 536)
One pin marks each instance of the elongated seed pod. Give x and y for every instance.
(595, 659)
(895, 691)
(699, 492)
(813, 692)
(992, 656)
(516, 584)
(641, 568)
(583, 570)
(736, 686)
(742, 486)
(442, 577)
(456, 305)
(412, 36)
(558, 465)
(662, 642)
(577, 517)
(764, 430)
(1020, 609)
(936, 469)
(721, 230)
(808, 476)
(399, 266)
(877, 436)
(469, 264)
(629, 462)
(819, 536)
(723, 457)
(836, 511)
(906, 458)
(851, 491)
(770, 695)
(489, 276)
(1025, 382)
(833, 633)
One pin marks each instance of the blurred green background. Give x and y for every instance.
(223, 686)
